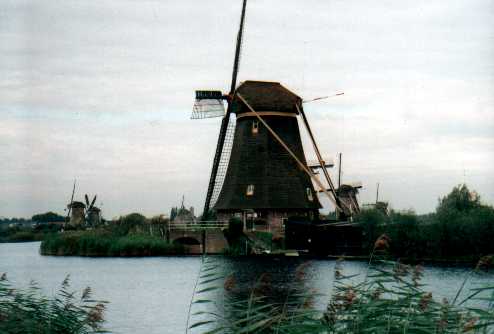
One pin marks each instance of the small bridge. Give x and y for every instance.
(204, 237)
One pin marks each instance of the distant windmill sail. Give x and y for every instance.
(92, 203)
(71, 201)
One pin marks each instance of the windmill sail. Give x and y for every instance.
(71, 201)
(92, 203)
(208, 104)
(226, 118)
(224, 159)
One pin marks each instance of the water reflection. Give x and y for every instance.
(283, 276)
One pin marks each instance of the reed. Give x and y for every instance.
(390, 299)
(28, 311)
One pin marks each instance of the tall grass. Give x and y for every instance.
(88, 243)
(390, 298)
(27, 311)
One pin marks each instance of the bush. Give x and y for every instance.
(102, 243)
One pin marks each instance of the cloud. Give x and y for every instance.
(102, 92)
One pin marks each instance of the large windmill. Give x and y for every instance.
(259, 168)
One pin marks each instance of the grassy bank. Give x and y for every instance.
(101, 243)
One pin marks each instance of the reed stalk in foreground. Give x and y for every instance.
(27, 311)
(390, 299)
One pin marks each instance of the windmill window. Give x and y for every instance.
(309, 195)
(255, 127)
(250, 190)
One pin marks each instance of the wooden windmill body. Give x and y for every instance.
(77, 213)
(263, 182)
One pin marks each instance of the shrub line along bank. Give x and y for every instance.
(103, 244)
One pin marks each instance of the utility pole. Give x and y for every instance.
(339, 173)
(377, 193)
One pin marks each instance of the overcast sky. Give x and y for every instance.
(102, 91)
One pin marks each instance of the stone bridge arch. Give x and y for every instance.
(191, 244)
(188, 240)
(211, 241)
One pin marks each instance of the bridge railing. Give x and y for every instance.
(199, 225)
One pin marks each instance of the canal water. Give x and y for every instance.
(151, 295)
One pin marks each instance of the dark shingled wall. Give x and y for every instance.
(260, 160)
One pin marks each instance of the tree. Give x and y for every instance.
(133, 219)
(173, 213)
(129, 223)
(404, 231)
(459, 199)
(463, 223)
(48, 217)
(372, 222)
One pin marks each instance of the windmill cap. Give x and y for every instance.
(265, 96)
(76, 204)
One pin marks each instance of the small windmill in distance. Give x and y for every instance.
(381, 205)
(80, 214)
(75, 212)
(93, 213)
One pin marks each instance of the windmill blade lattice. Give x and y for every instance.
(208, 104)
(225, 158)
(207, 108)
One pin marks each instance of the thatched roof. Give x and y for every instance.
(265, 96)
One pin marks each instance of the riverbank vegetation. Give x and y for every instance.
(34, 229)
(461, 229)
(389, 298)
(27, 234)
(28, 311)
(105, 243)
(126, 237)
